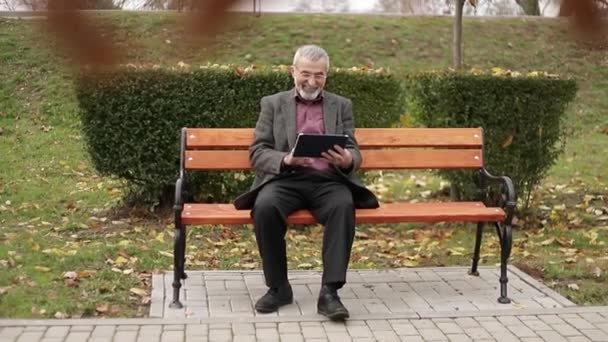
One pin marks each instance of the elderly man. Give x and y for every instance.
(326, 186)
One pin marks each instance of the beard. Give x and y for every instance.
(308, 93)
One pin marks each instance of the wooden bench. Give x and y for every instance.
(381, 148)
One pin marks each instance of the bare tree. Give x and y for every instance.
(457, 36)
(303, 6)
(335, 6)
(9, 5)
(41, 5)
(407, 6)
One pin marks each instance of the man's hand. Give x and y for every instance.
(290, 160)
(339, 156)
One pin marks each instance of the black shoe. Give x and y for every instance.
(329, 304)
(274, 299)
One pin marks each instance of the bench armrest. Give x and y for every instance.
(179, 200)
(509, 199)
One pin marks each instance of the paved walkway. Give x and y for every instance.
(420, 304)
(406, 292)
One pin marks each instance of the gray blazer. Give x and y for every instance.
(275, 136)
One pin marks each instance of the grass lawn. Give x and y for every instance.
(68, 248)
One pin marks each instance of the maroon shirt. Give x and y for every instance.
(309, 119)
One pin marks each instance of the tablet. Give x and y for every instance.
(311, 145)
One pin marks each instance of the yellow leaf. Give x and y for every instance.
(409, 263)
(160, 237)
(476, 71)
(454, 252)
(548, 242)
(86, 273)
(120, 260)
(42, 268)
(55, 251)
(124, 243)
(103, 308)
(167, 254)
(137, 291)
(250, 266)
(496, 71)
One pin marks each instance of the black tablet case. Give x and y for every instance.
(311, 145)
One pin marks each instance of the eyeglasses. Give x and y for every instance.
(307, 75)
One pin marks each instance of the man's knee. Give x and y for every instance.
(341, 201)
(266, 206)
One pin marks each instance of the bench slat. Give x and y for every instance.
(387, 213)
(201, 138)
(372, 159)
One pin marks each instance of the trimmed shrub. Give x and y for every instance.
(131, 117)
(522, 118)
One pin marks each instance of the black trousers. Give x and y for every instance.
(331, 203)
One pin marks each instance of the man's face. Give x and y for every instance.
(309, 77)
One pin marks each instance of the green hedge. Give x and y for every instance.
(131, 118)
(522, 118)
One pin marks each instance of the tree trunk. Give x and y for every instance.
(457, 41)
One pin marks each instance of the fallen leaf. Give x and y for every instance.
(60, 315)
(102, 308)
(251, 265)
(564, 242)
(573, 287)
(455, 251)
(137, 291)
(70, 275)
(42, 268)
(361, 235)
(548, 242)
(597, 272)
(86, 273)
(560, 207)
(167, 254)
(120, 261)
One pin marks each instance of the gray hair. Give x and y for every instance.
(312, 52)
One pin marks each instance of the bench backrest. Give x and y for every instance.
(381, 148)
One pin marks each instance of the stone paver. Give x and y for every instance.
(566, 324)
(424, 304)
(368, 292)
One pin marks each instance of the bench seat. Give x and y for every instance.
(198, 214)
